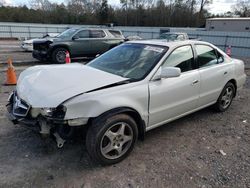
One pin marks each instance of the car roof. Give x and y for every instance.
(170, 44)
(174, 33)
(94, 28)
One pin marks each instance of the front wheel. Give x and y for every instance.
(226, 97)
(110, 140)
(59, 55)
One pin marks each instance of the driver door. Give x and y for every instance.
(173, 97)
(81, 45)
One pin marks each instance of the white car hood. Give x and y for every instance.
(28, 41)
(50, 85)
(38, 39)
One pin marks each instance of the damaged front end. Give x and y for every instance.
(46, 121)
(41, 49)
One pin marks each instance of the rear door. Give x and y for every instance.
(214, 73)
(99, 41)
(172, 97)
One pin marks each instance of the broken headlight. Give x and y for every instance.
(58, 112)
(47, 111)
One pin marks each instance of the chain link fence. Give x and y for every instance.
(239, 41)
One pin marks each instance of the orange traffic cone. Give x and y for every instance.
(229, 51)
(10, 74)
(67, 58)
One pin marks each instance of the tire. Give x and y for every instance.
(107, 142)
(226, 97)
(58, 55)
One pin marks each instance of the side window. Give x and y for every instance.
(83, 34)
(206, 55)
(115, 33)
(181, 57)
(220, 57)
(97, 34)
(180, 37)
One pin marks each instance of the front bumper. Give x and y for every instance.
(27, 122)
(40, 55)
(18, 112)
(27, 47)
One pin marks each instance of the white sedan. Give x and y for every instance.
(125, 92)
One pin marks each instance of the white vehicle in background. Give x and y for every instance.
(133, 37)
(27, 45)
(169, 36)
(133, 88)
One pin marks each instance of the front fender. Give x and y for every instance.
(53, 46)
(93, 104)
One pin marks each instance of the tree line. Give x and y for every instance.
(170, 13)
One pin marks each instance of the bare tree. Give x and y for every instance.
(44, 5)
(242, 8)
(76, 7)
(203, 3)
(191, 4)
(3, 3)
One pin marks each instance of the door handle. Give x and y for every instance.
(225, 73)
(195, 82)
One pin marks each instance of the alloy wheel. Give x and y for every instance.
(60, 56)
(227, 97)
(116, 140)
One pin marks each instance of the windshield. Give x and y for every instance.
(132, 61)
(67, 33)
(168, 36)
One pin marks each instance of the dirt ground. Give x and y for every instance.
(205, 149)
(12, 49)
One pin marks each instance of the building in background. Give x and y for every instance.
(228, 24)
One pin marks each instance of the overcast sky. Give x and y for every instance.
(218, 6)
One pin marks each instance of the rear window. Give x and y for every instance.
(206, 55)
(67, 33)
(116, 33)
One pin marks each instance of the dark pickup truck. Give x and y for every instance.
(79, 42)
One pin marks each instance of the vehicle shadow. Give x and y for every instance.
(74, 155)
(176, 125)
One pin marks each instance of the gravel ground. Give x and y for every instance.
(12, 49)
(205, 149)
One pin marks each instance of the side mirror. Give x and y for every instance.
(75, 37)
(167, 72)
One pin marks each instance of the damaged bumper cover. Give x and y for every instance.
(46, 121)
(19, 112)
(41, 49)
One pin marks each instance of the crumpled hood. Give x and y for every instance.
(50, 85)
(44, 40)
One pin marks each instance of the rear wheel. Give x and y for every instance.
(58, 55)
(110, 140)
(226, 97)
